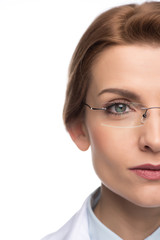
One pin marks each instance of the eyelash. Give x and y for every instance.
(113, 103)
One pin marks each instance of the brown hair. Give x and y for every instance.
(128, 24)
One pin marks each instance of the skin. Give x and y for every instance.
(129, 204)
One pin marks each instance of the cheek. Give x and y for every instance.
(110, 145)
(111, 152)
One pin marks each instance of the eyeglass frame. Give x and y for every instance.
(143, 108)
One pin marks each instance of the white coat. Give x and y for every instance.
(75, 229)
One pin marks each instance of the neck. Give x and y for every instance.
(124, 218)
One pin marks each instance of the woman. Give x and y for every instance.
(113, 106)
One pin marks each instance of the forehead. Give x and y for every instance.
(132, 67)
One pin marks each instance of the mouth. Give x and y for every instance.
(147, 171)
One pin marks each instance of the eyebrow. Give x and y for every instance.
(121, 92)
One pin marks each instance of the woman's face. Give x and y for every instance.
(116, 150)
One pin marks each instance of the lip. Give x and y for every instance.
(147, 171)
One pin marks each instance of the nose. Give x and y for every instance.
(150, 133)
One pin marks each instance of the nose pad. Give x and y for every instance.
(146, 114)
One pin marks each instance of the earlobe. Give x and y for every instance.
(79, 134)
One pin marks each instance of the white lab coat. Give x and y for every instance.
(75, 229)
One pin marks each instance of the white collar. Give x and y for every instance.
(97, 230)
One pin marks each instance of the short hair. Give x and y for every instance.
(123, 25)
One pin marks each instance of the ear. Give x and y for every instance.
(79, 134)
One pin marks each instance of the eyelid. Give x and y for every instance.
(122, 100)
(108, 103)
(127, 103)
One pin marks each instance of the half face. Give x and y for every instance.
(132, 74)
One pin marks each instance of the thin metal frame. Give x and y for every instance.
(144, 115)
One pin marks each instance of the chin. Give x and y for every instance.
(149, 201)
(149, 204)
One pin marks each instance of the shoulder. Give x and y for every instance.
(75, 228)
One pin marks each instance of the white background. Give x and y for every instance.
(44, 178)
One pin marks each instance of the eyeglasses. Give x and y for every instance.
(123, 115)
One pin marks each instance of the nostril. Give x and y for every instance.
(146, 147)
